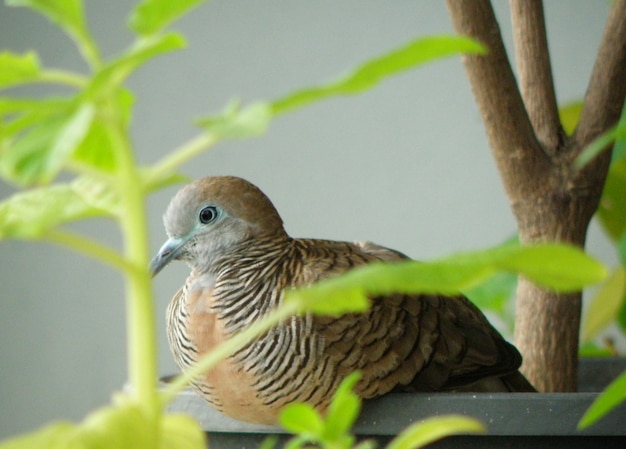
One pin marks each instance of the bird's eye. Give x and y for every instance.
(208, 214)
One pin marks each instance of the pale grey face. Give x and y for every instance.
(199, 231)
(207, 217)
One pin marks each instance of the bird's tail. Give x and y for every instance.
(516, 382)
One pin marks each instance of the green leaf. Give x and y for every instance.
(69, 15)
(40, 155)
(236, 122)
(68, 139)
(111, 77)
(612, 208)
(495, 293)
(123, 425)
(621, 316)
(372, 72)
(605, 305)
(151, 16)
(180, 431)
(560, 267)
(343, 410)
(96, 149)
(432, 429)
(610, 398)
(302, 419)
(570, 115)
(42, 106)
(25, 161)
(333, 297)
(601, 143)
(269, 442)
(29, 214)
(17, 69)
(591, 349)
(557, 266)
(53, 436)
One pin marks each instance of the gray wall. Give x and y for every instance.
(406, 165)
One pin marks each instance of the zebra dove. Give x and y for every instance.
(241, 261)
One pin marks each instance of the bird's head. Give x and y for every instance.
(208, 217)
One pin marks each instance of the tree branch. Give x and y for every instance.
(607, 86)
(535, 73)
(518, 154)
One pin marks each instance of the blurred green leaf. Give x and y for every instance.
(302, 419)
(602, 143)
(610, 398)
(432, 429)
(113, 75)
(343, 410)
(124, 425)
(13, 107)
(621, 316)
(621, 248)
(99, 194)
(17, 69)
(557, 266)
(151, 16)
(237, 122)
(605, 305)
(25, 160)
(370, 73)
(570, 115)
(96, 149)
(612, 208)
(181, 432)
(52, 436)
(69, 15)
(591, 349)
(29, 214)
(40, 155)
(66, 13)
(495, 293)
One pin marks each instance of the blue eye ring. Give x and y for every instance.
(208, 214)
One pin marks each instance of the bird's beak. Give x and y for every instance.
(166, 254)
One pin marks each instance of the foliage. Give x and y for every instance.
(332, 431)
(85, 134)
(609, 303)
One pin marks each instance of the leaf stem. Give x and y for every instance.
(64, 77)
(89, 50)
(183, 154)
(88, 247)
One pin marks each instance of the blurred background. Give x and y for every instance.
(405, 165)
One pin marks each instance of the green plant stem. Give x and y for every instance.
(62, 77)
(183, 154)
(142, 356)
(228, 347)
(88, 49)
(88, 247)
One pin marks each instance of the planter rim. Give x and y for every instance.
(502, 413)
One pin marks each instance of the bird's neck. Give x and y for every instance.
(239, 260)
(246, 281)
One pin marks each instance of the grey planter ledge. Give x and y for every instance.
(513, 420)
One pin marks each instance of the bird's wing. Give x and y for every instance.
(421, 342)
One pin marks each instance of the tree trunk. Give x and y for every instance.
(551, 200)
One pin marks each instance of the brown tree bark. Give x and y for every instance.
(550, 199)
